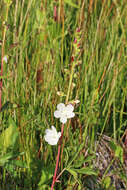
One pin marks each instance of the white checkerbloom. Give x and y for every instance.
(64, 112)
(52, 136)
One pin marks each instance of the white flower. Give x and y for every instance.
(51, 136)
(64, 112)
(5, 59)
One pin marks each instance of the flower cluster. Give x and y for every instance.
(77, 48)
(63, 112)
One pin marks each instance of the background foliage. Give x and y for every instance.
(41, 50)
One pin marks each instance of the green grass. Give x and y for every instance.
(40, 50)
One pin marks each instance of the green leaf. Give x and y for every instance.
(75, 155)
(4, 158)
(19, 163)
(112, 145)
(69, 2)
(78, 163)
(74, 174)
(119, 153)
(107, 182)
(46, 175)
(89, 158)
(9, 137)
(118, 150)
(86, 171)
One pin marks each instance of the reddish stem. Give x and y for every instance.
(58, 156)
(55, 13)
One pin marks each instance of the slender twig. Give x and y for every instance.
(58, 156)
(60, 174)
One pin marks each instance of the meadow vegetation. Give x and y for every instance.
(71, 52)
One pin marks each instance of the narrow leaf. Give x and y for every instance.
(69, 2)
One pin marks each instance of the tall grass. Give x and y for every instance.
(46, 66)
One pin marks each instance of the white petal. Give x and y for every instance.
(70, 107)
(57, 114)
(48, 131)
(63, 120)
(60, 106)
(53, 129)
(53, 141)
(46, 138)
(70, 115)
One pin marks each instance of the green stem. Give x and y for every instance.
(70, 83)
(114, 119)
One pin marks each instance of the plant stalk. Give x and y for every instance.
(70, 82)
(57, 161)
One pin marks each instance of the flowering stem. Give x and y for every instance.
(66, 136)
(70, 82)
(58, 156)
